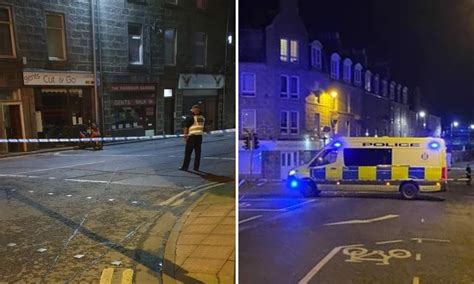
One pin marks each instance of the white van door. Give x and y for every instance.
(288, 161)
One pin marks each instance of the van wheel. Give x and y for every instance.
(308, 189)
(409, 190)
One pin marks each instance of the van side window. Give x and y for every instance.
(325, 158)
(367, 157)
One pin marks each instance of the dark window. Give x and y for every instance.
(367, 157)
(170, 46)
(325, 158)
(135, 44)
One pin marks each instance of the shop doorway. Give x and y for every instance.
(288, 161)
(169, 115)
(12, 125)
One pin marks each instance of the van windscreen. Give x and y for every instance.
(367, 157)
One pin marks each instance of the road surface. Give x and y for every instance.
(80, 215)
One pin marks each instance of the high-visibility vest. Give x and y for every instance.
(198, 126)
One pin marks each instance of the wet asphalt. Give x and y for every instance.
(66, 216)
(355, 237)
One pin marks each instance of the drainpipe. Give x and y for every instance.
(94, 58)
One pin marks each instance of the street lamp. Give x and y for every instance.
(471, 126)
(422, 114)
(334, 94)
(455, 124)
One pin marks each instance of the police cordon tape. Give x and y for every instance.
(104, 139)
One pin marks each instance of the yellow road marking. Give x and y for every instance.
(416, 280)
(418, 256)
(127, 276)
(106, 277)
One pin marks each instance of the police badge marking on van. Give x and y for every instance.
(424, 156)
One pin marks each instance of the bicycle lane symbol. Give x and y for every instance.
(361, 254)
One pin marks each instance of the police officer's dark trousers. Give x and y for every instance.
(193, 143)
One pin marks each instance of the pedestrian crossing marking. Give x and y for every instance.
(108, 273)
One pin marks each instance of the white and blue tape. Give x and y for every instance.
(103, 139)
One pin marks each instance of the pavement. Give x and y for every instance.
(355, 237)
(201, 247)
(103, 216)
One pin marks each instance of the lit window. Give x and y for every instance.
(335, 59)
(170, 46)
(294, 87)
(7, 37)
(200, 49)
(284, 50)
(55, 37)
(289, 122)
(284, 86)
(247, 84)
(201, 4)
(248, 120)
(135, 44)
(294, 51)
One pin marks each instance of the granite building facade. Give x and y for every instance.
(152, 59)
(298, 92)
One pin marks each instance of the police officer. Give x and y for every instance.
(193, 131)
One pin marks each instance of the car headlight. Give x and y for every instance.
(292, 173)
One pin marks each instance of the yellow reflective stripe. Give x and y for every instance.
(399, 173)
(333, 173)
(432, 173)
(368, 173)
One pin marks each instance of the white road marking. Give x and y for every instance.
(30, 191)
(69, 195)
(416, 280)
(389, 242)
(50, 193)
(241, 182)
(111, 199)
(418, 256)
(41, 250)
(63, 167)
(219, 158)
(350, 222)
(11, 175)
(276, 210)
(420, 240)
(79, 256)
(11, 245)
(323, 262)
(116, 262)
(86, 180)
(250, 219)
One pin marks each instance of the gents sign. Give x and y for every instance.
(58, 78)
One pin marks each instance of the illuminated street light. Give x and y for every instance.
(471, 126)
(334, 94)
(455, 124)
(422, 114)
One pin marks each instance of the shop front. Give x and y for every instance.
(133, 109)
(11, 120)
(205, 90)
(62, 100)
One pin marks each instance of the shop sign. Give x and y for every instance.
(201, 81)
(132, 88)
(133, 102)
(58, 78)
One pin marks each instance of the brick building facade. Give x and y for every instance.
(297, 93)
(51, 79)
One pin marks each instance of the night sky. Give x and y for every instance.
(427, 43)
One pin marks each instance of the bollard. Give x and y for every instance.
(468, 174)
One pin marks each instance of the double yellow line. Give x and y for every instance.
(107, 274)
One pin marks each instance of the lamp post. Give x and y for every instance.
(454, 124)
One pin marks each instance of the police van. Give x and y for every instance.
(387, 164)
